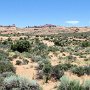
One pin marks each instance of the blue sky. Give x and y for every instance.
(39, 12)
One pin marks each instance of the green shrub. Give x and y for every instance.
(56, 73)
(6, 42)
(12, 55)
(87, 70)
(64, 83)
(78, 70)
(26, 54)
(86, 85)
(11, 82)
(3, 56)
(17, 82)
(85, 44)
(6, 66)
(18, 62)
(1, 81)
(81, 70)
(65, 66)
(67, 84)
(41, 64)
(47, 69)
(21, 46)
(61, 42)
(39, 74)
(36, 58)
(70, 58)
(53, 49)
(46, 38)
(7, 74)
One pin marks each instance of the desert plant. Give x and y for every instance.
(70, 58)
(36, 58)
(21, 46)
(53, 48)
(87, 70)
(3, 56)
(17, 82)
(86, 85)
(81, 70)
(67, 84)
(56, 73)
(6, 66)
(78, 70)
(85, 44)
(7, 74)
(65, 66)
(18, 62)
(64, 83)
(47, 69)
(1, 81)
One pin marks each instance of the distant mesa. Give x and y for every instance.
(41, 29)
(9, 27)
(48, 25)
(42, 26)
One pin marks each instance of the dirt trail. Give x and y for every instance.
(25, 70)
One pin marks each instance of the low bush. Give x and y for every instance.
(85, 44)
(36, 58)
(67, 84)
(3, 56)
(20, 83)
(7, 74)
(1, 81)
(81, 70)
(53, 49)
(65, 66)
(18, 62)
(6, 66)
(7, 42)
(45, 69)
(86, 85)
(56, 73)
(87, 70)
(70, 58)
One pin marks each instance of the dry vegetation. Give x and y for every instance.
(45, 62)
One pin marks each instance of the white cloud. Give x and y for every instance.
(72, 22)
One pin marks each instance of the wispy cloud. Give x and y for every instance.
(72, 22)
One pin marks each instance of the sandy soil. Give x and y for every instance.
(48, 43)
(54, 59)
